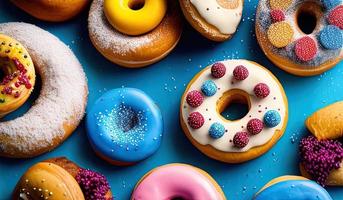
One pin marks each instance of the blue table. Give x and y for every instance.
(165, 83)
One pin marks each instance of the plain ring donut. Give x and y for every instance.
(62, 101)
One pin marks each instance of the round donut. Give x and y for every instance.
(139, 50)
(290, 188)
(301, 37)
(60, 178)
(19, 75)
(62, 101)
(177, 181)
(321, 154)
(124, 126)
(216, 20)
(234, 81)
(52, 10)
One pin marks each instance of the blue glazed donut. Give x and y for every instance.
(124, 126)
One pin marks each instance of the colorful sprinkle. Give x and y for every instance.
(93, 184)
(331, 37)
(280, 4)
(305, 48)
(329, 4)
(194, 98)
(209, 88)
(196, 120)
(272, 118)
(320, 157)
(277, 15)
(241, 139)
(217, 130)
(336, 17)
(255, 126)
(218, 70)
(280, 34)
(261, 90)
(240, 73)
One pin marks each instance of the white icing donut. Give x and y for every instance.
(62, 99)
(220, 14)
(258, 106)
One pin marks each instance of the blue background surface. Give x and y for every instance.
(165, 83)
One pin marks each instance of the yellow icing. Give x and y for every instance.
(280, 34)
(280, 4)
(135, 17)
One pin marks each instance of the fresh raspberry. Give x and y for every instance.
(218, 70)
(277, 16)
(255, 126)
(196, 120)
(194, 98)
(336, 17)
(241, 139)
(261, 90)
(240, 73)
(305, 48)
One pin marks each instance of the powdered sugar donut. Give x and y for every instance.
(215, 88)
(217, 20)
(304, 38)
(61, 104)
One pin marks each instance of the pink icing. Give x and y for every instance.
(172, 181)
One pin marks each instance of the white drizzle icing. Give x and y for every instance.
(256, 75)
(225, 20)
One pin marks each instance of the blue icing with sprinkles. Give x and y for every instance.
(331, 37)
(217, 130)
(125, 125)
(272, 118)
(209, 88)
(294, 190)
(330, 4)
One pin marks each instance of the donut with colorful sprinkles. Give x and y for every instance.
(60, 178)
(321, 154)
(304, 38)
(234, 140)
(292, 188)
(177, 181)
(124, 126)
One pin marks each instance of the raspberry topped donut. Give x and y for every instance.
(304, 38)
(217, 87)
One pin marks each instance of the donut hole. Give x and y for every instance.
(177, 198)
(136, 4)
(128, 118)
(234, 105)
(307, 17)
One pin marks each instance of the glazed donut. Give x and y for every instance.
(291, 188)
(304, 38)
(124, 126)
(214, 89)
(19, 79)
(52, 10)
(177, 181)
(59, 178)
(128, 49)
(321, 155)
(62, 101)
(216, 20)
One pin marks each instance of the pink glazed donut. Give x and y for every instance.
(177, 181)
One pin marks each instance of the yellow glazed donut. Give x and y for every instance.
(135, 17)
(321, 154)
(143, 31)
(52, 10)
(62, 101)
(217, 87)
(304, 38)
(216, 20)
(60, 178)
(19, 71)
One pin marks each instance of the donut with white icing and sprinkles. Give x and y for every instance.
(216, 20)
(304, 38)
(216, 87)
